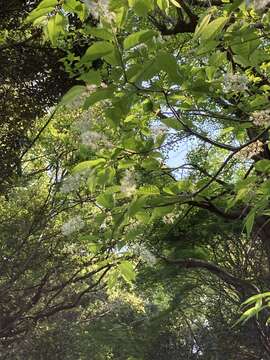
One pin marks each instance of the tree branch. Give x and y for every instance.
(181, 25)
(194, 132)
(240, 285)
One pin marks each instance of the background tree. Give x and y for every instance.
(156, 76)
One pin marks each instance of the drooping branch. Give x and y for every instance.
(240, 285)
(193, 132)
(206, 173)
(207, 205)
(227, 160)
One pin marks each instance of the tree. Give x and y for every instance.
(32, 80)
(48, 261)
(170, 72)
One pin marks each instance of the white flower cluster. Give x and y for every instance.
(128, 183)
(74, 250)
(91, 88)
(235, 83)
(169, 218)
(74, 224)
(82, 125)
(144, 254)
(158, 131)
(94, 140)
(140, 47)
(86, 119)
(70, 183)
(261, 118)
(250, 151)
(261, 4)
(147, 256)
(100, 9)
(73, 182)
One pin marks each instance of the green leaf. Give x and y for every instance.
(213, 28)
(217, 59)
(126, 163)
(44, 8)
(168, 63)
(106, 200)
(72, 94)
(94, 248)
(98, 50)
(127, 271)
(97, 96)
(144, 217)
(249, 314)
(163, 4)
(172, 123)
(206, 47)
(113, 189)
(263, 165)
(249, 222)
(177, 187)
(142, 7)
(256, 297)
(112, 279)
(55, 26)
(76, 7)
(91, 77)
(159, 212)
(148, 190)
(201, 27)
(259, 102)
(71, 5)
(121, 16)
(150, 164)
(196, 252)
(92, 182)
(105, 176)
(146, 72)
(47, 3)
(176, 3)
(244, 43)
(234, 5)
(138, 38)
(89, 164)
(38, 13)
(136, 205)
(100, 33)
(52, 30)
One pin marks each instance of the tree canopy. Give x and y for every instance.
(135, 179)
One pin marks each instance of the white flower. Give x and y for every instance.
(261, 118)
(94, 140)
(141, 46)
(91, 88)
(251, 150)
(74, 224)
(128, 183)
(73, 182)
(148, 257)
(82, 125)
(260, 4)
(158, 131)
(100, 9)
(70, 183)
(144, 254)
(84, 122)
(235, 83)
(169, 218)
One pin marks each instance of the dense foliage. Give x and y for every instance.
(135, 208)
